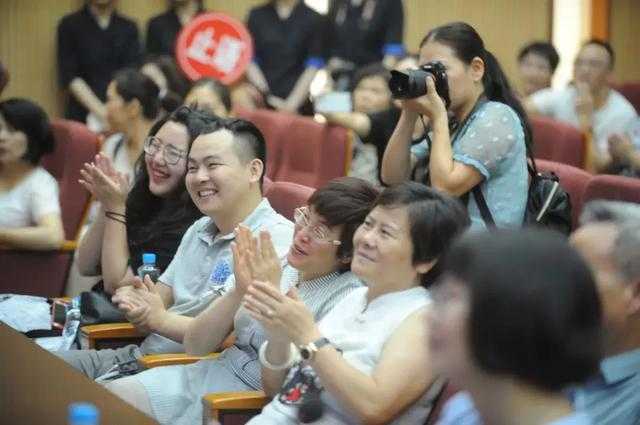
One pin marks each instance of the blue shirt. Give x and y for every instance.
(613, 397)
(460, 410)
(492, 141)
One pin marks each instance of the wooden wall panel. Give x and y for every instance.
(504, 25)
(27, 48)
(27, 32)
(623, 32)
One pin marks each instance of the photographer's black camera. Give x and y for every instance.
(412, 83)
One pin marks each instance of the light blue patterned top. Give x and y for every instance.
(492, 142)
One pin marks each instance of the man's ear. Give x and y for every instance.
(478, 68)
(256, 167)
(424, 268)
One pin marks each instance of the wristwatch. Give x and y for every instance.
(308, 352)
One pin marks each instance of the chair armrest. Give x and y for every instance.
(155, 360)
(93, 333)
(217, 404)
(68, 246)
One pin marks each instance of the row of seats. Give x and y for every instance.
(584, 187)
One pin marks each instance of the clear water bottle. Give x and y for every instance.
(148, 267)
(83, 414)
(71, 325)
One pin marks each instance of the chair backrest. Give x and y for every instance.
(313, 153)
(75, 145)
(273, 126)
(557, 141)
(285, 197)
(573, 180)
(613, 188)
(300, 149)
(631, 90)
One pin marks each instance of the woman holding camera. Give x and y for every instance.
(479, 140)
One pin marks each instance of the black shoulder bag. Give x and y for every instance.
(548, 204)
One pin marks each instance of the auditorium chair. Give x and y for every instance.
(612, 188)
(44, 273)
(301, 150)
(557, 141)
(236, 408)
(573, 180)
(630, 90)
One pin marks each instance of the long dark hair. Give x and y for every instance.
(149, 215)
(467, 44)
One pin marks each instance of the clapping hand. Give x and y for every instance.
(620, 148)
(283, 316)
(108, 186)
(141, 304)
(254, 259)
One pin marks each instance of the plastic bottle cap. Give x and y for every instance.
(148, 258)
(83, 413)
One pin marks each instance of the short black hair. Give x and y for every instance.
(344, 201)
(375, 69)
(544, 49)
(606, 46)
(249, 143)
(435, 220)
(217, 87)
(29, 118)
(131, 84)
(534, 307)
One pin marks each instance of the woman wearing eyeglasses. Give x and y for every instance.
(367, 360)
(153, 215)
(317, 266)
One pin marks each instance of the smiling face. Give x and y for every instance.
(172, 139)
(383, 249)
(217, 179)
(310, 256)
(13, 143)
(464, 79)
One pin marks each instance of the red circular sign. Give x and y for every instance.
(214, 45)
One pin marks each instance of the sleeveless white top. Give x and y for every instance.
(360, 332)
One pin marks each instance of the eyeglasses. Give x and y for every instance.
(318, 232)
(171, 155)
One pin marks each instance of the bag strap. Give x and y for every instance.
(482, 206)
